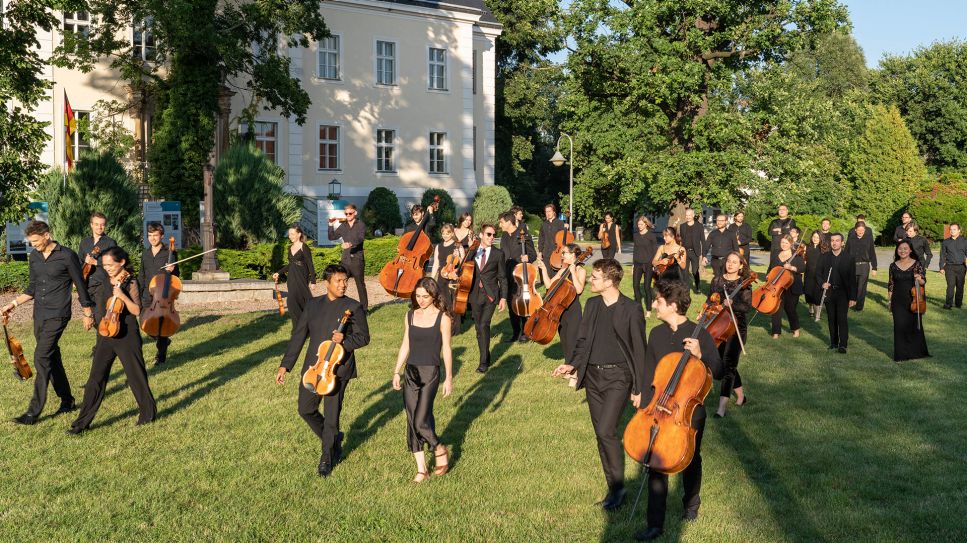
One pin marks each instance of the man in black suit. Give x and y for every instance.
(720, 243)
(859, 244)
(743, 233)
(609, 360)
(780, 227)
(510, 245)
(840, 268)
(319, 323)
(545, 239)
(489, 291)
(692, 233)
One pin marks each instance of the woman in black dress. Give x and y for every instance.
(736, 272)
(791, 261)
(909, 342)
(814, 250)
(300, 273)
(612, 231)
(646, 244)
(571, 317)
(671, 248)
(426, 333)
(447, 282)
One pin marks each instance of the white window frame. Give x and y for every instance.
(262, 139)
(320, 51)
(394, 146)
(431, 63)
(395, 58)
(443, 148)
(139, 51)
(71, 19)
(337, 142)
(76, 146)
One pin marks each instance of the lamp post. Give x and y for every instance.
(558, 160)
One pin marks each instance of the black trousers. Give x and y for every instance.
(955, 284)
(789, 304)
(295, 304)
(646, 271)
(730, 351)
(862, 278)
(326, 424)
(128, 349)
(48, 365)
(691, 480)
(693, 266)
(355, 264)
(483, 313)
(837, 306)
(718, 265)
(609, 252)
(447, 294)
(516, 322)
(420, 384)
(568, 330)
(608, 390)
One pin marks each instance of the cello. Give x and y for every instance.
(161, 319)
(561, 239)
(320, 378)
(21, 370)
(542, 325)
(400, 275)
(722, 325)
(465, 279)
(527, 300)
(86, 270)
(767, 299)
(110, 325)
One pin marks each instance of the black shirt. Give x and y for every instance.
(743, 233)
(430, 222)
(721, 243)
(646, 245)
(953, 251)
(510, 245)
(841, 271)
(899, 234)
(693, 237)
(545, 238)
(50, 283)
(317, 322)
(97, 275)
(862, 248)
(151, 265)
(604, 347)
(784, 226)
(354, 235)
(663, 341)
(921, 247)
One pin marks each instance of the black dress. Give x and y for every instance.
(790, 297)
(447, 287)
(732, 349)
(909, 341)
(300, 272)
(810, 285)
(613, 238)
(673, 273)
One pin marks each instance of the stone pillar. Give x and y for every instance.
(209, 265)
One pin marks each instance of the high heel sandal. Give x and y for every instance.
(438, 469)
(421, 476)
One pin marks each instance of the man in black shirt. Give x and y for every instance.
(609, 361)
(672, 336)
(510, 245)
(900, 233)
(319, 323)
(102, 242)
(545, 239)
(860, 247)
(780, 227)
(721, 242)
(353, 234)
(839, 267)
(824, 230)
(693, 239)
(743, 234)
(489, 291)
(417, 213)
(953, 257)
(153, 260)
(53, 268)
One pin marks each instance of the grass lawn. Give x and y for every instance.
(830, 448)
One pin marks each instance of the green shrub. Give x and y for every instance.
(447, 213)
(382, 211)
(14, 276)
(944, 203)
(533, 223)
(489, 203)
(378, 252)
(806, 224)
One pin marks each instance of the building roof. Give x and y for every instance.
(486, 16)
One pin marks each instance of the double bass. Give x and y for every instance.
(527, 300)
(320, 378)
(721, 326)
(542, 326)
(21, 370)
(400, 275)
(161, 319)
(110, 325)
(86, 270)
(467, 267)
(767, 299)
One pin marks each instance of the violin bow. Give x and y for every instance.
(738, 333)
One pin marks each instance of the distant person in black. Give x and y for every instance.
(780, 227)
(953, 265)
(840, 268)
(909, 341)
(519, 217)
(900, 233)
(743, 233)
(720, 242)
(489, 291)
(510, 245)
(448, 284)
(919, 245)
(300, 273)
(102, 242)
(824, 230)
(153, 260)
(126, 345)
(53, 267)
(609, 361)
(692, 234)
(646, 246)
(353, 234)
(788, 259)
(736, 272)
(463, 231)
(550, 226)
(860, 247)
(610, 230)
(815, 248)
(319, 323)
(426, 334)
(671, 248)
(673, 335)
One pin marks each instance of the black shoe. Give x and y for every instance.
(614, 499)
(66, 407)
(159, 360)
(716, 415)
(72, 431)
(649, 534)
(482, 368)
(831, 347)
(523, 339)
(337, 448)
(946, 306)
(842, 350)
(25, 419)
(745, 400)
(690, 515)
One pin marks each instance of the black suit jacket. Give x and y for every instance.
(492, 276)
(629, 328)
(843, 276)
(317, 322)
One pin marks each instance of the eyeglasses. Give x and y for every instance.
(488, 234)
(350, 213)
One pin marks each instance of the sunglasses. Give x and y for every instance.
(350, 213)
(488, 234)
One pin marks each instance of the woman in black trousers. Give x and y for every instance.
(646, 245)
(448, 285)
(426, 333)
(300, 273)
(792, 262)
(815, 247)
(736, 272)
(126, 345)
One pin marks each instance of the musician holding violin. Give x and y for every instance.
(321, 322)
(353, 234)
(300, 272)
(733, 288)
(447, 256)
(515, 253)
(906, 291)
(154, 261)
(571, 316)
(90, 250)
(610, 235)
(837, 280)
(53, 267)
(546, 238)
(645, 248)
(671, 258)
(790, 259)
(463, 231)
(117, 308)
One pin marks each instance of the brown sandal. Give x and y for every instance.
(438, 469)
(421, 476)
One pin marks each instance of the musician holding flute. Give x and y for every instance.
(837, 277)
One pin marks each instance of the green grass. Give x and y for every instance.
(830, 448)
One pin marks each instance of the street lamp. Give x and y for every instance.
(335, 189)
(558, 161)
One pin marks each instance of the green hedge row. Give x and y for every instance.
(14, 275)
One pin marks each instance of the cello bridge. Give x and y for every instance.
(663, 409)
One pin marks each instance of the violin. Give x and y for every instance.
(278, 298)
(320, 378)
(161, 319)
(603, 236)
(668, 262)
(86, 270)
(561, 240)
(918, 304)
(721, 326)
(527, 300)
(400, 275)
(661, 435)
(21, 370)
(543, 324)
(110, 325)
(767, 299)
(465, 279)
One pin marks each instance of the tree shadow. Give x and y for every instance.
(199, 320)
(387, 405)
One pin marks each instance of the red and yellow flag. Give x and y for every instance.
(70, 127)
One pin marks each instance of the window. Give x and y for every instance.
(438, 152)
(78, 22)
(329, 58)
(266, 138)
(328, 147)
(473, 75)
(438, 69)
(385, 63)
(385, 150)
(81, 140)
(143, 42)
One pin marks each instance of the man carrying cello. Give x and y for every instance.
(511, 247)
(153, 261)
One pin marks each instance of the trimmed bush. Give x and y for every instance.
(944, 203)
(533, 224)
(382, 211)
(14, 276)
(489, 203)
(806, 224)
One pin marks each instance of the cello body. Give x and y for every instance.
(400, 275)
(461, 296)
(320, 378)
(543, 324)
(561, 239)
(161, 319)
(526, 300)
(21, 369)
(767, 299)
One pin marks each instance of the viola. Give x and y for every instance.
(767, 299)
(86, 270)
(110, 325)
(561, 240)
(527, 300)
(918, 304)
(161, 319)
(400, 275)
(449, 270)
(465, 279)
(278, 298)
(543, 324)
(721, 326)
(320, 378)
(603, 236)
(21, 370)
(661, 435)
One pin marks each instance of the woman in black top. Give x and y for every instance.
(646, 245)
(919, 245)
(906, 270)
(571, 317)
(671, 247)
(815, 247)
(787, 259)
(736, 271)
(448, 284)
(300, 271)
(613, 232)
(463, 233)
(426, 332)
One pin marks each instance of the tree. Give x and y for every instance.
(836, 62)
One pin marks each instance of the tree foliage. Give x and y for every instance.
(489, 203)
(943, 203)
(382, 211)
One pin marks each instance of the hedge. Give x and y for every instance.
(14, 275)
(944, 203)
(806, 224)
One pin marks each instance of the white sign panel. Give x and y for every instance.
(328, 209)
(166, 213)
